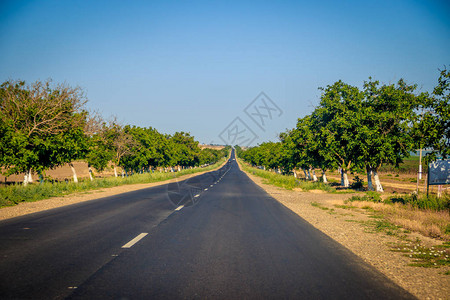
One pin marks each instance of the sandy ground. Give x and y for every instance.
(425, 283)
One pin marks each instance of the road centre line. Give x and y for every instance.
(135, 240)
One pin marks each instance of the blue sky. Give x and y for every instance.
(195, 66)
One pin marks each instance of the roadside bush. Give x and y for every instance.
(357, 184)
(422, 202)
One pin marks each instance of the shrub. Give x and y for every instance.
(357, 184)
(422, 201)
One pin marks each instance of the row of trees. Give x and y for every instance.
(355, 129)
(43, 126)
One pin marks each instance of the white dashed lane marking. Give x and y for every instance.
(135, 240)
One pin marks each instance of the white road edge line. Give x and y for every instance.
(179, 207)
(196, 196)
(135, 240)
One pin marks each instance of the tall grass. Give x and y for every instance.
(429, 222)
(285, 181)
(420, 201)
(14, 194)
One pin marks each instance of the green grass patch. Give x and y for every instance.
(369, 196)
(315, 204)
(409, 166)
(425, 257)
(14, 194)
(422, 201)
(344, 206)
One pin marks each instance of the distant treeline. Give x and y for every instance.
(43, 126)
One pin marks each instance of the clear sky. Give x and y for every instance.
(196, 65)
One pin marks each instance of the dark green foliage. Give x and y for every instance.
(422, 201)
(357, 184)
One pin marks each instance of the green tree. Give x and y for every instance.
(433, 127)
(338, 118)
(42, 126)
(389, 111)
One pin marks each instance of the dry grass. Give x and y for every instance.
(430, 223)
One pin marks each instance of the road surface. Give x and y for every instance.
(216, 236)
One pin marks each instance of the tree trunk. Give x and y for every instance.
(30, 178)
(115, 171)
(306, 175)
(324, 177)
(314, 175)
(344, 179)
(295, 173)
(90, 173)
(309, 174)
(369, 178)
(75, 178)
(377, 181)
(25, 180)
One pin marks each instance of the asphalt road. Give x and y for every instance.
(216, 236)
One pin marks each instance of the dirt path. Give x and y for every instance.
(345, 227)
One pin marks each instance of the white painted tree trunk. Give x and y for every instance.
(75, 178)
(344, 178)
(314, 175)
(377, 182)
(25, 180)
(346, 182)
(295, 174)
(90, 173)
(324, 177)
(309, 174)
(30, 178)
(115, 171)
(369, 179)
